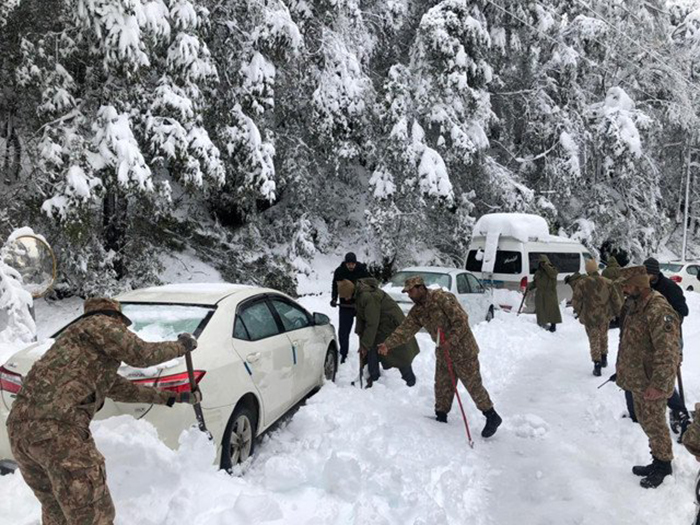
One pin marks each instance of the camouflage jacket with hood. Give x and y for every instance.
(612, 270)
(596, 300)
(546, 299)
(378, 315)
(72, 379)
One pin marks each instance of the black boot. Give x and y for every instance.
(643, 470)
(596, 368)
(493, 421)
(343, 358)
(441, 416)
(604, 360)
(659, 470)
(684, 424)
(674, 420)
(552, 328)
(408, 375)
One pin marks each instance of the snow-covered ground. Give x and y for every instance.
(348, 456)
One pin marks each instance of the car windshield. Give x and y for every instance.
(670, 267)
(430, 278)
(164, 322)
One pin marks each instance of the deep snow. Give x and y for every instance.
(351, 456)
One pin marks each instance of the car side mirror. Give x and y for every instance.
(321, 319)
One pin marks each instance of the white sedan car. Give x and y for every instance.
(259, 354)
(476, 300)
(684, 273)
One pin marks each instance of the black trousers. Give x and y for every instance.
(346, 317)
(374, 371)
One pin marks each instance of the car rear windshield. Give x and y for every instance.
(564, 262)
(670, 267)
(164, 322)
(507, 262)
(430, 278)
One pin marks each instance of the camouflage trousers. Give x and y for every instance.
(466, 369)
(597, 340)
(61, 464)
(652, 418)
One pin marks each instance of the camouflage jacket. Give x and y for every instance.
(596, 300)
(649, 351)
(612, 270)
(439, 310)
(70, 382)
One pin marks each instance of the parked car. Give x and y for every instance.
(685, 273)
(476, 299)
(259, 354)
(516, 252)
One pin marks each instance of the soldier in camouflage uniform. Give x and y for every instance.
(438, 309)
(646, 366)
(596, 301)
(612, 270)
(546, 299)
(49, 422)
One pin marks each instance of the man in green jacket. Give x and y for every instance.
(612, 270)
(546, 299)
(378, 315)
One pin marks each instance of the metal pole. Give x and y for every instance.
(687, 202)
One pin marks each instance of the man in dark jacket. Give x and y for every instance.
(49, 424)
(674, 295)
(344, 279)
(378, 315)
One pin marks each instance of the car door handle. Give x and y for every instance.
(252, 358)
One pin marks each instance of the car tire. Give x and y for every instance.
(690, 288)
(239, 437)
(330, 364)
(490, 315)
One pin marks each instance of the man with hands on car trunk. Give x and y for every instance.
(49, 422)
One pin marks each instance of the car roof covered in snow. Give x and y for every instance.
(188, 293)
(431, 269)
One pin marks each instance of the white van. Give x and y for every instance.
(506, 247)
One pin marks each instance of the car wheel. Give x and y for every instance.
(690, 288)
(490, 315)
(239, 437)
(330, 364)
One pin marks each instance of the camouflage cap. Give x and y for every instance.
(635, 276)
(105, 305)
(412, 282)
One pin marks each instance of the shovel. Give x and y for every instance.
(193, 388)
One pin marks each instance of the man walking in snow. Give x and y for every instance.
(595, 302)
(546, 298)
(646, 366)
(343, 287)
(49, 424)
(378, 315)
(440, 310)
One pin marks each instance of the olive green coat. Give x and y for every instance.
(546, 300)
(612, 270)
(378, 315)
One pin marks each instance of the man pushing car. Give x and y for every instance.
(49, 424)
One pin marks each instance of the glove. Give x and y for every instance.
(613, 377)
(188, 341)
(191, 398)
(334, 303)
(441, 416)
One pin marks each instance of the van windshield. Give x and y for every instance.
(564, 262)
(506, 262)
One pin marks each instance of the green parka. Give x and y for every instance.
(612, 270)
(546, 299)
(378, 315)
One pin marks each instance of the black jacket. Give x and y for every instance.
(673, 294)
(341, 273)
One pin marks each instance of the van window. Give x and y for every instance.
(564, 262)
(506, 262)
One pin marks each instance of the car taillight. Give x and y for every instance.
(10, 381)
(173, 383)
(676, 278)
(523, 284)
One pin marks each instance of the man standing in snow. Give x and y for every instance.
(343, 287)
(49, 424)
(546, 299)
(435, 310)
(646, 366)
(596, 301)
(378, 315)
(612, 270)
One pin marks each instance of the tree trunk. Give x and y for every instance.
(114, 218)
